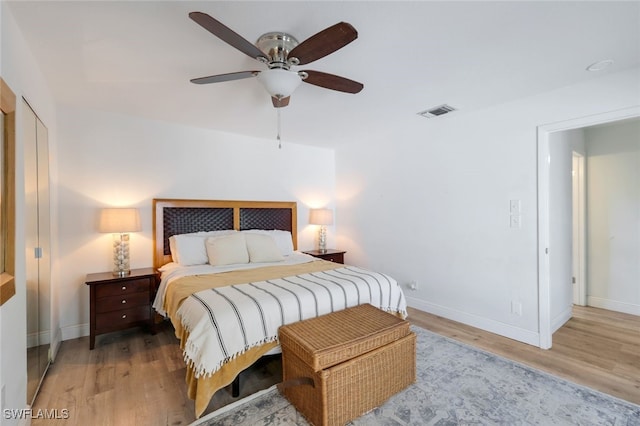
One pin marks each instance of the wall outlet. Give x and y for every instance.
(515, 221)
(413, 285)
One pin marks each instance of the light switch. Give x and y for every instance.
(514, 207)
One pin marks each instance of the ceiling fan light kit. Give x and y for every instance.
(279, 82)
(280, 51)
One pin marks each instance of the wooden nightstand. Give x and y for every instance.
(336, 256)
(118, 303)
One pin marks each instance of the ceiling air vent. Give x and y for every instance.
(437, 111)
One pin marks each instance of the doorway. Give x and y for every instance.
(544, 185)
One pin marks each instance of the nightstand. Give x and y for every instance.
(331, 255)
(118, 303)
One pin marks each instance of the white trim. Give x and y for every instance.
(579, 223)
(561, 319)
(544, 289)
(38, 338)
(614, 305)
(55, 345)
(544, 302)
(492, 326)
(75, 331)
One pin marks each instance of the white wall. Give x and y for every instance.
(429, 201)
(108, 159)
(561, 147)
(613, 222)
(20, 71)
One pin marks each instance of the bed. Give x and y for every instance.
(237, 276)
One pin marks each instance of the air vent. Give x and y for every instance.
(437, 111)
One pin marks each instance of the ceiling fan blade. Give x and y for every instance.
(226, 34)
(325, 42)
(333, 82)
(225, 77)
(279, 103)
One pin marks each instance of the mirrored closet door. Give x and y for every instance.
(37, 244)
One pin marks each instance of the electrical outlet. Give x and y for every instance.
(413, 285)
(515, 221)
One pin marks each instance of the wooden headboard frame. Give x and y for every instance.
(214, 215)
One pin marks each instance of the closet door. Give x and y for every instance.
(37, 243)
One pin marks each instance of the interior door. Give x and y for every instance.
(37, 244)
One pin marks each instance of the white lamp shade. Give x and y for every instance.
(321, 217)
(116, 220)
(278, 82)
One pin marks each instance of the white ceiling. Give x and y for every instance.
(138, 57)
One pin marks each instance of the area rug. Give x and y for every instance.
(458, 385)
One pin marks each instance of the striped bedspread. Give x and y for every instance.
(225, 322)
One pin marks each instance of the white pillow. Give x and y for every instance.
(189, 249)
(283, 239)
(227, 250)
(262, 248)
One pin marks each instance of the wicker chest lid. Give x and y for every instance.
(339, 336)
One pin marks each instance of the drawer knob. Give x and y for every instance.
(124, 316)
(124, 301)
(124, 287)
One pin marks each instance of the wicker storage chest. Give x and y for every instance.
(357, 358)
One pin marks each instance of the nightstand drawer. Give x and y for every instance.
(119, 319)
(124, 287)
(337, 258)
(125, 301)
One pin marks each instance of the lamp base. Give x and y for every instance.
(322, 239)
(121, 255)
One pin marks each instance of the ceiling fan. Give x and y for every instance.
(280, 51)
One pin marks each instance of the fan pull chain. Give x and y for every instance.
(278, 137)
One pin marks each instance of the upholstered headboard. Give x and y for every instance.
(175, 216)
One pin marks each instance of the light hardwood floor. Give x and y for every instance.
(132, 378)
(596, 348)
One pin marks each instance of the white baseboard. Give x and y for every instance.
(55, 345)
(613, 305)
(561, 319)
(75, 331)
(38, 338)
(492, 326)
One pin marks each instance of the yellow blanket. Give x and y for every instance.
(202, 389)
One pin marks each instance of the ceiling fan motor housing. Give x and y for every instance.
(277, 46)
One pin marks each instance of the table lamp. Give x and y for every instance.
(120, 222)
(322, 217)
